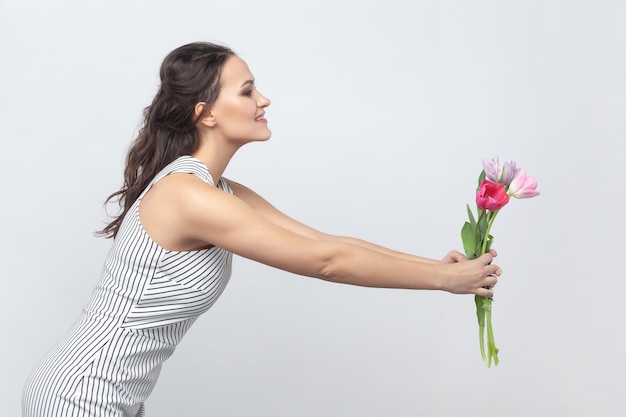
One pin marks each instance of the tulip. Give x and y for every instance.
(495, 173)
(523, 186)
(491, 196)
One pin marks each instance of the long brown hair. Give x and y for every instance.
(189, 75)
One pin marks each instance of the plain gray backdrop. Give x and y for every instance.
(381, 115)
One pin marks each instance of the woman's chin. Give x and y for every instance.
(267, 136)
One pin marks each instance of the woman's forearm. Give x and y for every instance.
(382, 249)
(355, 262)
(359, 265)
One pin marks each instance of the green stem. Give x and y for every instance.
(491, 344)
(480, 313)
(492, 351)
(480, 217)
(490, 220)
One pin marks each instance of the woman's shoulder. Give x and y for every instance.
(186, 164)
(173, 184)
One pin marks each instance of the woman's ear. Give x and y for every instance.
(207, 119)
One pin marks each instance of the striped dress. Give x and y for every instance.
(147, 298)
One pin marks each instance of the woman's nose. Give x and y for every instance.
(263, 101)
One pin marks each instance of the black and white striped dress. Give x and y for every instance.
(147, 298)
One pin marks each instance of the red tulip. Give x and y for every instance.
(491, 196)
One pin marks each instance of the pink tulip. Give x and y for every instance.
(523, 186)
(491, 196)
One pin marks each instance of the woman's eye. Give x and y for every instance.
(247, 92)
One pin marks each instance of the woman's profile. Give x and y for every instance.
(180, 223)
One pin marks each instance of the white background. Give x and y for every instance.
(382, 113)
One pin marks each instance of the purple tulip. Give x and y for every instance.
(523, 186)
(503, 174)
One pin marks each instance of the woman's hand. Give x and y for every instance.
(453, 257)
(477, 276)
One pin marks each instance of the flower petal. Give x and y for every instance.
(508, 172)
(523, 186)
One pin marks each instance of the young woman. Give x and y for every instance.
(173, 243)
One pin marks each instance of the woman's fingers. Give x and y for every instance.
(477, 276)
(487, 258)
(486, 290)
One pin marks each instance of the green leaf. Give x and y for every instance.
(481, 177)
(481, 227)
(471, 217)
(469, 241)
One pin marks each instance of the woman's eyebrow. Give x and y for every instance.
(247, 82)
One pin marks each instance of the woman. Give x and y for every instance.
(180, 224)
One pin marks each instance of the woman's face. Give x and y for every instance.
(239, 111)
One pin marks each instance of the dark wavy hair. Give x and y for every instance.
(189, 75)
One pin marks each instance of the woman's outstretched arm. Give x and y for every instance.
(271, 213)
(194, 211)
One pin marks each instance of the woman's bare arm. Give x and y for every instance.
(193, 211)
(271, 213)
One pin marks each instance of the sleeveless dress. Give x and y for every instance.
(147, 298)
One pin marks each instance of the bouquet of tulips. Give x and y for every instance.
(496, 185)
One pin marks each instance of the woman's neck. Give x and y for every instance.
(215, 157)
